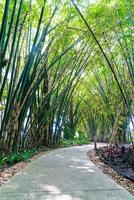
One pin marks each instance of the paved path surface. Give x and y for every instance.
(64, 174)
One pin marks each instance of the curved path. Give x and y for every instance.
(64, 174)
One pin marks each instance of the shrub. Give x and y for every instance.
(17, 157)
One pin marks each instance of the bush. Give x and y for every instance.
(82, 139)
(17, 157)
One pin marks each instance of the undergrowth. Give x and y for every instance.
(14, 158)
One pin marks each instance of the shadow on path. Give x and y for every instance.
(64, 174)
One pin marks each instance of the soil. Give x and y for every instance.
(106, 169)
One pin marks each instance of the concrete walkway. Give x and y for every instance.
(64, 174)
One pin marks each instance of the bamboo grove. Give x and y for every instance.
(65, 67)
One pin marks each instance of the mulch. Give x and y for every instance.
(108, 170)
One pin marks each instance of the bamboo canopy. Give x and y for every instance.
(65, 66)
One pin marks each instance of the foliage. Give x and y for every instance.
(17, 157)
(120, 158)
(115, 155)
(81, 139)
(13, 158)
